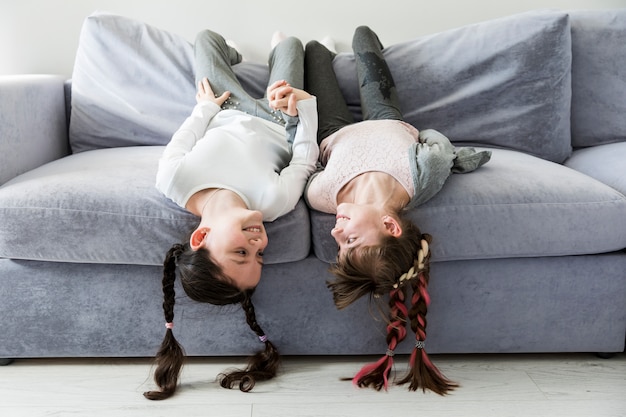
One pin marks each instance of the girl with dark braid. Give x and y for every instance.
(373, 170)
(235, 163)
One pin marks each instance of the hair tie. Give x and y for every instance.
(180, 249)
(420, 344)
(169, 325)
(390, 353)
(263, 338)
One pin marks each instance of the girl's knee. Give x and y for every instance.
(290, 45)
(315, 48)
(364, 37)
(313, 45)
(292, 42)
(207, 36)
(363, 30)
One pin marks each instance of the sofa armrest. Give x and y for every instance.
(33, 124)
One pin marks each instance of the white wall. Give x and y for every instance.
(41, 36)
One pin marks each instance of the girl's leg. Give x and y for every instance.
(321, 81)
(379, 98)
(286, 62)
(214, 60)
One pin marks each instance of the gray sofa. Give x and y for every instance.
(528, 252)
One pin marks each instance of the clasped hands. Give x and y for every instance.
(280, 95)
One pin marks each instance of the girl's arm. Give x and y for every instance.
(292, 179)
(282, 96)
(194, 127)
(191, 131)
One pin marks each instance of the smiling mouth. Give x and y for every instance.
(253, 229)
(340, 218)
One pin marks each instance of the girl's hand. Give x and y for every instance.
(278, 95)
(278, 89)
(205, 93)
(284, 97)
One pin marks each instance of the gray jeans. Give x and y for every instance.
(214, 60)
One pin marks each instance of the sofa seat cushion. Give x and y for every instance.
(517, 205)
(101, 206)
(606, 163)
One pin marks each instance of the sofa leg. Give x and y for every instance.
(5, 361)
(605, 355)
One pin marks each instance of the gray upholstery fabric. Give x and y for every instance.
(598, 77)
(31, 107)
(504, 83)
(479, 306)
(101, 206)
(606, 163)
(132, 84)
(546, 287)
(485, 84)
(144, 100)
(517, 205)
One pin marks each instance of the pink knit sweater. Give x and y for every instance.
(372, 145)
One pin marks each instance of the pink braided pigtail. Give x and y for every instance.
(376, 375)
(423, 373)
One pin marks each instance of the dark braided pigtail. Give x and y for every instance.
(423, 373)
(376, 375)
(169, 358)
(263, 365)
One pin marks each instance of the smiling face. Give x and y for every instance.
(362, 225)
(236, 242)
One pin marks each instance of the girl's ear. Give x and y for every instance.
(392, 226)
(197, 237)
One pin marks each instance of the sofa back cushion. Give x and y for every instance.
(133, 84)
(501, 83)
(598, 77)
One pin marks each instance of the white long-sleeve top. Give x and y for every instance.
(246, 154)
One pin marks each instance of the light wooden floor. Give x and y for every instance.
(534, 385)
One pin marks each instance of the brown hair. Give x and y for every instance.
(204, 281)
(422, 372)
(375, 270)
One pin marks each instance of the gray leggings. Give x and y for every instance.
(379, 98)
(214, 60)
